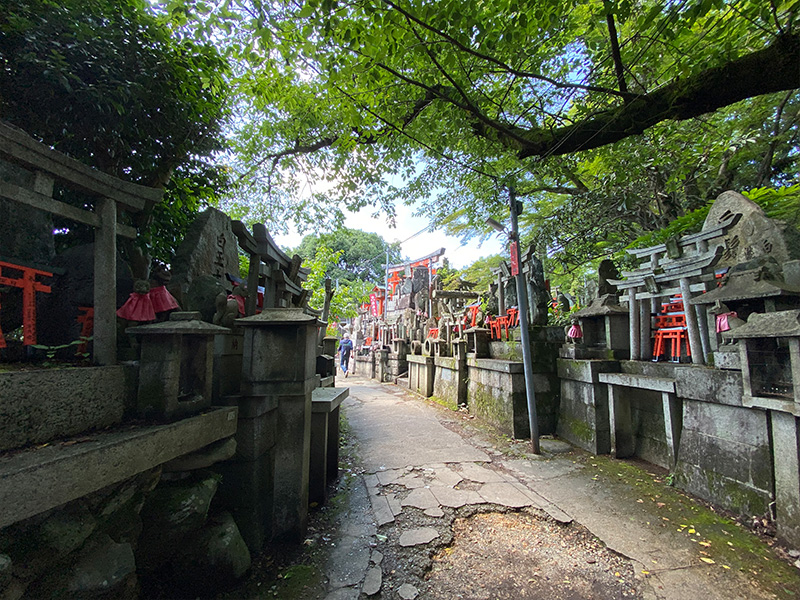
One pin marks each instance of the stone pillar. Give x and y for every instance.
(228, 350)
(786, 455)
(381, 365)
(105, 283)
(279, 363)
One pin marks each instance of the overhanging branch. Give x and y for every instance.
(776, 68)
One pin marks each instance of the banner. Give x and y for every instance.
(373, 305)
(514, 259)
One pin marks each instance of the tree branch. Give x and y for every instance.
(507, 68)
(615, 53)
(776, 68)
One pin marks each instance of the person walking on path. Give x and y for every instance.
(345, 348)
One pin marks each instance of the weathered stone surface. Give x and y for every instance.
(390, 476)
(56, 317)
(209, 247)
(345, 593)
(203, 458)
(415, 537)
(407, 591)
(68, 472)
(348, 562)
(435, 512)
(394, 504)
(381, 510)
(504, 494)
(474, 472)
(35, 408)
(172, 511)
(5, 571)
(200, 295)
(421, 498)
(376, 558)
(372, 582)
(213, 557)
(66, 530)
(754, 235)
(102, 566)
(446, 477)
(411, 481)
(447, 496)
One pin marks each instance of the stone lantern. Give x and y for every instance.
(278, 377)
(769, 350)
(176, 364)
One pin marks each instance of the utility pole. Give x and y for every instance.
(522, 301)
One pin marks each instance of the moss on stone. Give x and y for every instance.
(580, 430)
(728, 542)
(446, 402)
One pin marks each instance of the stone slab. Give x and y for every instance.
(39, 479)
(435, 512)
(410, 481)
(452, 498)
(504, 494)
(381, 510)
(327, 399)
(407, 591)
(474, 472)
(372, 582)
(419, 536)
(390, 476)
(421, 498)
(446, 477)
(645, 382)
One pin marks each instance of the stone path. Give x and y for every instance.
(418, 472)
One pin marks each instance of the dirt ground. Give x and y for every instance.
(522, 556)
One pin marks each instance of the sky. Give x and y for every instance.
(459, 255)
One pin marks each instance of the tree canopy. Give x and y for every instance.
(108, 84)
(609, 117)
(359, 255)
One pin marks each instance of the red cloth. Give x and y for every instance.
(722, 321)
(138, 307)
(239, 301)
(162, 299)
(575, 332)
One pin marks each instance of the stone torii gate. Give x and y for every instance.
(683, 266)
(109, 195)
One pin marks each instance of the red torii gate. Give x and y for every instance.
(27, 281)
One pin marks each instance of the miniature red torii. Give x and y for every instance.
(29, 287)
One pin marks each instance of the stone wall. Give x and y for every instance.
(496, 394)
(131, 536)
(421, 373)
(583, 415)
(41, 405)
(450, 382)
(723, 449)
(724, 456)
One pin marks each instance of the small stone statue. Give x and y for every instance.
(573, 332)
(229, 306)
(138, 308)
